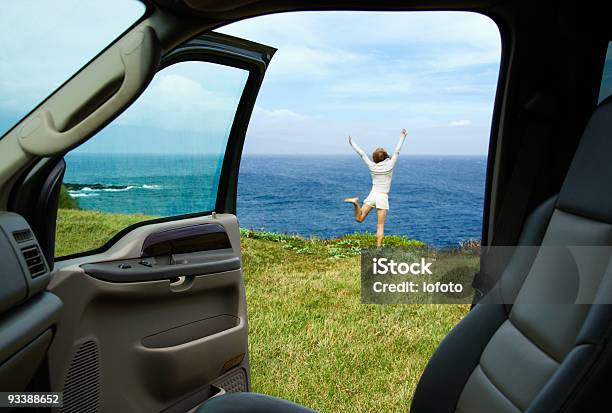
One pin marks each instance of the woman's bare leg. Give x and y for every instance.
(381, 214)
(360, 213)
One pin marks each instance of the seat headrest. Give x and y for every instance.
(587, 189)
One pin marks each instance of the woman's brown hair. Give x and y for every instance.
(379, 155)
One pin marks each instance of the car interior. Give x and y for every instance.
(156, 319)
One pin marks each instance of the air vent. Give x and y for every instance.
(22, 235)
(82, 385)
(34, 260)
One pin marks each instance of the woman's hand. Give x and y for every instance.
(403, 133)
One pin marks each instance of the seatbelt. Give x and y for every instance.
(518, 193)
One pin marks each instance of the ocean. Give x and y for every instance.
(435, 199)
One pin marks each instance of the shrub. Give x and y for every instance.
(66, 201)
(470, 246)
(345, 246)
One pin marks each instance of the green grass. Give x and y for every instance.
(79, 230)
(348, 246)
(310, 338)
(65, 200)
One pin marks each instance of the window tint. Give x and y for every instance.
(43, 43)
(605, 89)
(161, 157)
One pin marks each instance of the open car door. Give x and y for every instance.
(156, 319)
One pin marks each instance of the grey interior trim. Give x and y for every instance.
(150, 269)
(22, 324)
(191, 332)
(18, 370)
(22, 263)
(138, 55)
(14, 288)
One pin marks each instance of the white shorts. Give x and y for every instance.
(377, 200)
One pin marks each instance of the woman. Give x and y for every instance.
(381, 169)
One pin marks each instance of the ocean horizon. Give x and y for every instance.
(437, 199)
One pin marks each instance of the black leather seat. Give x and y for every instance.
(526, 356)
(251, 403)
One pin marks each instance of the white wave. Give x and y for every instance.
(80, 195)
(127, 188)
(88, 191)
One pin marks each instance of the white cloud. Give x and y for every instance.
(462, 122)
(463, 89)
(177, 102)
(190, 97)
(454, 59)
(277, 114)
(451, 39)
(375, 84)
(315, 62)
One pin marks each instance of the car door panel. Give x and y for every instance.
(151, 343)
(156, 319)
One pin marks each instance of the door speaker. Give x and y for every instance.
(82, 385)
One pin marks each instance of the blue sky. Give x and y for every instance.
(370, 74)
(44, 42)
(335, 73)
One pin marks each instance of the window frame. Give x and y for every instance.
(202, 49)
(607, 57)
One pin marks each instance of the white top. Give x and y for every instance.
(381, 172)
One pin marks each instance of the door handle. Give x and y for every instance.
(140, 57)
(133, 270)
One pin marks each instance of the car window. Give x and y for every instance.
(605, 89)
(161, 157)
(43, 43)
(368, 75)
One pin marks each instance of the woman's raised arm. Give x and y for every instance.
(360, 152)
(396, 152)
